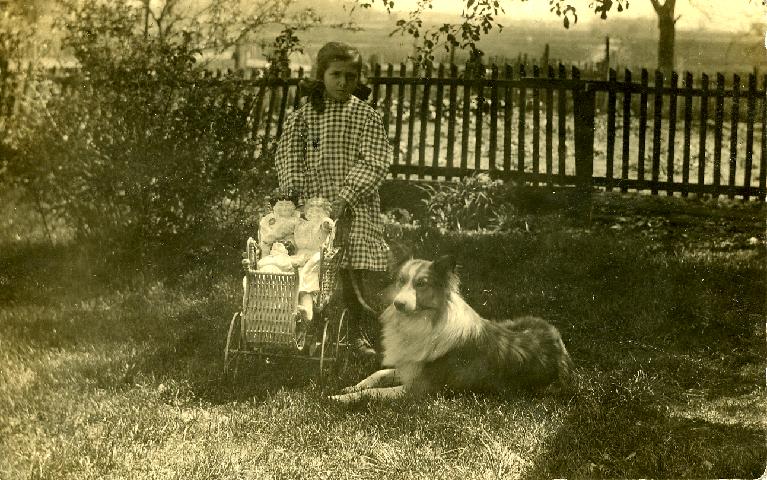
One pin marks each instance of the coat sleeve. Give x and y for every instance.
(372, 162)
(289, 156)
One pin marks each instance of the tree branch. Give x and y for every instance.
(701, 10)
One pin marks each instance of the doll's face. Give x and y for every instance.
(284, 208)
(317, 209)
(314, 213)
(279, 249)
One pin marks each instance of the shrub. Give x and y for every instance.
(473, 203)
(139, 149)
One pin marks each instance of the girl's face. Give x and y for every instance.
(340, 79)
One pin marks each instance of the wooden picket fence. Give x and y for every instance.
(560, 130)
(549, 127)
(744, 177)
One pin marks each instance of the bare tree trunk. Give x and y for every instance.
(666, 35)
(666, 45)
(146, 18)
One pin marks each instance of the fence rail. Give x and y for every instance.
(548, 126)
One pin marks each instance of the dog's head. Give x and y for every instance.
(424, 285)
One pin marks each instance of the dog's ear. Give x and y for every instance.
(444, 265)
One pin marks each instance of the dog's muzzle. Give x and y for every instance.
(401, 306)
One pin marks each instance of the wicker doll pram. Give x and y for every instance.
(269, 325)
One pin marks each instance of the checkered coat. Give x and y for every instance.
(342, 152)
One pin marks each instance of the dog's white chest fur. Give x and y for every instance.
(407, 338)
(412, 339)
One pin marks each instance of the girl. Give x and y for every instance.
(334, 146)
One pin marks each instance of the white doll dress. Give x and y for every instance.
(309, 237)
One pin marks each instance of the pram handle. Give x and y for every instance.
(328, 243)
(252, 252)
(343, 226)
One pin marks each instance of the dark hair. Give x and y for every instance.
(331, 52)
(292, 195)
(336, 52)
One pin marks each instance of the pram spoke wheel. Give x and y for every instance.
(342, 346)
(233, 345)
(322, 350)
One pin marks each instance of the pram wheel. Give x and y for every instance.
(342, 342)
(233, 345)
(335, 343)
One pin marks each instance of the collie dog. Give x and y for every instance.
(433, 341)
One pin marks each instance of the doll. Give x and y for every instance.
(278, 260)
(312, 230)
(277, 226)
(311, 233)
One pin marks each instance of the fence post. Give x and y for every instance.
(584, 106)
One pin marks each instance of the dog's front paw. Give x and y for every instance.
(352, 389)
(343, 398)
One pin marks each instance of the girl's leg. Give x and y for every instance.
(363, 321)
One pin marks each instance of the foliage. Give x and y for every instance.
(17, 43)
(284, 45)
(211, 26)
(138, 148)
(473, 203)
(478, 18)
(13, 31)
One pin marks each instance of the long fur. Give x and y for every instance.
(435, 341)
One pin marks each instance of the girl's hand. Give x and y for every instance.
(327, 225)
(338, 208)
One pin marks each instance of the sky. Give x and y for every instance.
(728, 15)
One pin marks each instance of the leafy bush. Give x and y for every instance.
(140, 148)
(473, 203)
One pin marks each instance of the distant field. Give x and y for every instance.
(633, 45)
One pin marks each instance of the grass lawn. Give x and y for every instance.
(661, 302)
